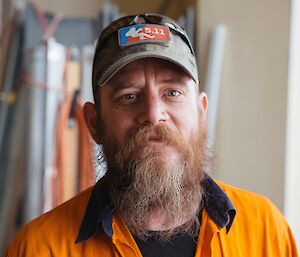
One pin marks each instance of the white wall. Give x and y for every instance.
(250, 139)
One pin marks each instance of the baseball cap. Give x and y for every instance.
(140, 36)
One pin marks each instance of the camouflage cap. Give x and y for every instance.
(141, 36)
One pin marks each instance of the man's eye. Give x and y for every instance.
(129, 96)
(173, 93)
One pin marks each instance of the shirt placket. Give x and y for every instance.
(123, 240)
(206, 246)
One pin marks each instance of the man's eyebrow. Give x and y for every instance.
(120, 86)
(177, 80)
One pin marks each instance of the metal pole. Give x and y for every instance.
(214, 70)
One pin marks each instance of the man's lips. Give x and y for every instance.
(156, 141)
(155, 138)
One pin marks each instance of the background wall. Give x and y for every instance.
(173, 8)
(250, 140)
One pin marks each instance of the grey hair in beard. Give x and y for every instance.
(141, 180)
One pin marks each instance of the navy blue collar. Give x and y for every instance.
(99, 210)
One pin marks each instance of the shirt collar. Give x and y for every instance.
(218, 205)
(99, 210)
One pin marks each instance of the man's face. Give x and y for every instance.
(150, 92)
(152, 126)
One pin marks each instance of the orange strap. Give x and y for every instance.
(86, 171)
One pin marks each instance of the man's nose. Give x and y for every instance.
(153, 111)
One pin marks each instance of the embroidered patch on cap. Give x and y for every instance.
(142, 33)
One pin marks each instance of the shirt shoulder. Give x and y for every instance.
(242, 197)
(259, 224)
(253, 207)
(50, 231)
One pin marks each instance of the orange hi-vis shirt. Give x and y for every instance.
(234, 223)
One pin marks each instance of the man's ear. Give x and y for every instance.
(90, 116)
(203, 103)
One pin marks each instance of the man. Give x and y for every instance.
(156, 198)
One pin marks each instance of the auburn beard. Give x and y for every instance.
(142, 180)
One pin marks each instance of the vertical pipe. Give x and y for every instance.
(56, 60)
(34, 152)
(214, 70)
(292, 164)
(87, 63)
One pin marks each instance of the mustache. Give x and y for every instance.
(140, 138)
(143, 135)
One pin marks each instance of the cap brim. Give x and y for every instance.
(122, 62)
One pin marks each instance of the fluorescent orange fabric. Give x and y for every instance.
(258, 230)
